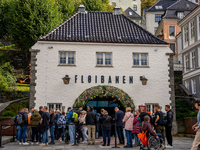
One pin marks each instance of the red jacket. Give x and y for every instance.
(136, 126)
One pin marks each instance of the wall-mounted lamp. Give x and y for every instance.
(144, 80)
(66, 79)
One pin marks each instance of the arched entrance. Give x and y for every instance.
(104, 96)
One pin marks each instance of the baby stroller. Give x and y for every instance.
(150, 142)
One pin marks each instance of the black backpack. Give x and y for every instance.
(162, 118)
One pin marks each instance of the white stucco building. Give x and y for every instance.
(106, 49)
(124, 4)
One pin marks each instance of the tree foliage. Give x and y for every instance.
(94, 5)
(110, 8)
(30, 19)
(66, 7)
(148, 3)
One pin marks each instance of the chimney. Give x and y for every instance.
(117, 10)
(81, 8)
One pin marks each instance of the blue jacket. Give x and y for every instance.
(69, 117)
(119, 115)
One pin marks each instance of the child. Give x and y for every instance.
(147, 126)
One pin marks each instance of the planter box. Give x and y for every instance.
(189, 122)
(8, 130)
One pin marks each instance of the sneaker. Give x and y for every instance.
(42, 144)
(83, 142)
(25, 143)
(51, 143)
(37, 143)
(104, 145)
(126, 146)
(20, 143)
(170, 147)
(32, 143)
(72, 144)
(47, 144)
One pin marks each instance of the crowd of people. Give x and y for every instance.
(87, 124)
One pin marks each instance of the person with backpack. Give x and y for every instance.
(22, 121)
(91, 120)
(52, 126)
(168, 126)
(159, 122)
(128, 120)
(35, 120)
(106, 122)
(71, 120)
(45, 126)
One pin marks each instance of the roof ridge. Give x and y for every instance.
(180, 1)
(59, 26)
(144, 29)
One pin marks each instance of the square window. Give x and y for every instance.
(54, 106)
(67, 58)
(157, 17)
(104, 59)
(180, 15)
(140, 59)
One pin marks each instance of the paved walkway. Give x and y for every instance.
(180, 143)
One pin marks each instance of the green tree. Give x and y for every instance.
(110, 8)
(66, 7)
(30, 19)
(93, 5)
(148, 3)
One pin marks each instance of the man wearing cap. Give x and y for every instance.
(71, 125)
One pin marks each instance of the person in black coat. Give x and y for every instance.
(106, 122)
(52, 126)
(143, 114)
(168, 126)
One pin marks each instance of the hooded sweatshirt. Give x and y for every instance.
(35, 119)
(69, 117)
(128, 119)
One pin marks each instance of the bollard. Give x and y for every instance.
(13, 132)
(75, 144)
(115, 138)
(1, 137)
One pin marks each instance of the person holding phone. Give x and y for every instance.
(196, 127)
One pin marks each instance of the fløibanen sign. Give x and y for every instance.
(103, 79)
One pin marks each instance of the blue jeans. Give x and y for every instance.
(52, 132)
(102, 130)
(106, 134)
(137, 141)
(62, 131)
(129, 138)
(120, 135)
(84, 133)
(45, 137)
(22, 133)
(72, 132)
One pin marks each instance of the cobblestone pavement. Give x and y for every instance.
(179, 143)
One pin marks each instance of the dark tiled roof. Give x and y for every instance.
(102, 27)
(133, 14)
(163, 3)
(180, 6)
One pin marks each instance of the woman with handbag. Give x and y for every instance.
(106, 121)
(35, 119)
(128, 120)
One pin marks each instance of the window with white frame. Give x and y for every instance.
(187, 67)
(55, 106)
(192, 29)
(104, 59)
(157, 17)
(193, 81)
(135, 7)
(67, 58)
(155, 29)
(180, 15)
(193, 59)
(140, 59)
(187, 84)
(172, 31)
(186, 33)
(150, 108)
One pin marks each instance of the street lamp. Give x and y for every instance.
(66, 79)
(144, 80)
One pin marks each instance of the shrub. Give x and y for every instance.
(15, 108)
(8, 114)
